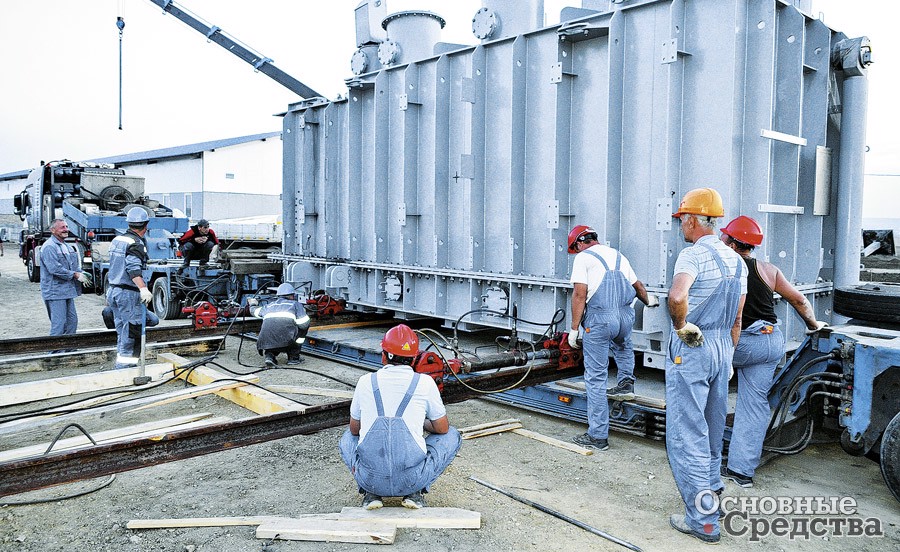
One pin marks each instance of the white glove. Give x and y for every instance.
(819, 326)
(730, 372)
(83, 278)
(691, 335)
(252, 302)
(573, 339)
(652, 301)
(146, 296)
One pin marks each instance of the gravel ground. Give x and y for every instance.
(626, 491)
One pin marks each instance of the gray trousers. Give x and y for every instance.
(63, 318)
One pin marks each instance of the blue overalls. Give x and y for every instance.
(388, 461)
(697, 399)
(59, 288)
(758, 352)
(608, 321)
(127, 257)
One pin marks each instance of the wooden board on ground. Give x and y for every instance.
(652, 402)
(555, 442)
(255, 399)
(198, 392)
(424, 518)
(491, 430)
(100, 437)
(75, 359)
(214, 521)
(338, 530)
(488, 424)
(18, 393)
(318, 391)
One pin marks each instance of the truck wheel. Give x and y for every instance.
(879, 302)
(163, 304)
(890, 456)
(34, 271)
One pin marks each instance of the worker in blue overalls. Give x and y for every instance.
(61, 279)
(604, 288)
(705, 303)
(759, 350)
(384, 447)
(284, 326)
(127, 289)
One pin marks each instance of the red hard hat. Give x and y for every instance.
(400, 341)
(745, 230)
(576, 233)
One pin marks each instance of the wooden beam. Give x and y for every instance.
(251, 398)
(424, 518)
(318, 391)
(213, 521)
(489, 424)
(197, 392)
(99, 437)
(18, 393)
(652, 402)
(491, 430)
(338, 530)
(76, 359)
(555, 442)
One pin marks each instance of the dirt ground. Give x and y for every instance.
(627, 491)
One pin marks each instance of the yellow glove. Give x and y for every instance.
(691, 335)
(573, 339)
(146, 296)
(819, 326)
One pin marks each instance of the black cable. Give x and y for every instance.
(57, 499)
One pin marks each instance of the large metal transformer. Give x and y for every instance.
(448, 178)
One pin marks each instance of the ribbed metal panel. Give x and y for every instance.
(450, 184)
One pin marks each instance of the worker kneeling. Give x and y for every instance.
(284, 326)
(384, 447)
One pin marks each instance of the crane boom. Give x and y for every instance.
(257, 60)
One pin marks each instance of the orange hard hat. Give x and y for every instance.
(400, 341)
(577, 234)
(745, 230)
(705, 202)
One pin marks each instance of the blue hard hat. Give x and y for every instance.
(136, 214)
(285, 289)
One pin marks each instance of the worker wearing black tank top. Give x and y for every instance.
(759, 349)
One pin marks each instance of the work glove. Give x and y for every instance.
(652, 301)
(691, 335)
(146, 296)
(730, 372)
(819, 326)
(573, 339)
(83, 278)
(252, 302)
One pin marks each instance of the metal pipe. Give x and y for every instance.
(852, 56)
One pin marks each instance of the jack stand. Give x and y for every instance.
(143, 379)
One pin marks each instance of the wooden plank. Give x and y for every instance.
(16, 426)
(255, 399)
(489, 424)
(18, 393)
(197, 392)
(491, 431)
(555, 442)
(363, 532)
(76, 359)
(319, 391)
(99, 437)
(214, 521)
(652, 402)
(424, 518)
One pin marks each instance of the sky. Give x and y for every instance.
(59, 93)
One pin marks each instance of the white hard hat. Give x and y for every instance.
(136, 214)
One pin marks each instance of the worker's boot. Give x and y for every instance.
(623, 391)
(294, 360)
(414, 501)
(270, 360)
(589, 442)
(372, 501)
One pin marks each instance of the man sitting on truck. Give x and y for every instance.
(197, 243)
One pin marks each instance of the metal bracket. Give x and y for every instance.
(553, 214)
(557, 72)
(671, 51)
(212, 30)
(262, 62)
(582, 30)
(783, 209)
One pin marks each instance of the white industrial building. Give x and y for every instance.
(220, 179)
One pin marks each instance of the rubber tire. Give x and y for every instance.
(890, 456)
(879, 302)
(34, 271)
(163, 304)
